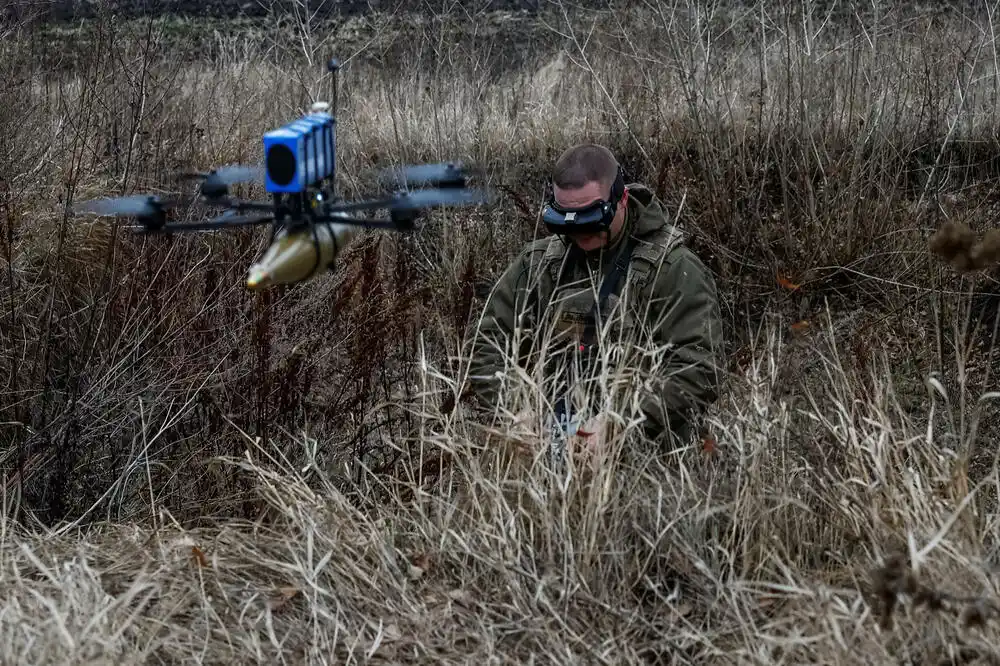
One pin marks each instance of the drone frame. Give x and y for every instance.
(317, 203)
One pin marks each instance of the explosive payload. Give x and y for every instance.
(310, 224)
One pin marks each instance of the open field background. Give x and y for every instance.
(195, 472)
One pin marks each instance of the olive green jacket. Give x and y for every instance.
(669, 302)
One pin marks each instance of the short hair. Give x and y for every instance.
(585, 163)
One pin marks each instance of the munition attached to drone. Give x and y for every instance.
(297, 257)
(310, 224)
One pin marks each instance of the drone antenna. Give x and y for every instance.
(333, 66)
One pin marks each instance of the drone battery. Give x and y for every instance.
(325, 123)
(307, 158)
(319, 157)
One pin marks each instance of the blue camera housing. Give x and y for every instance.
(300, 154)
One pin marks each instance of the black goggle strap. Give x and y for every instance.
(617, 188)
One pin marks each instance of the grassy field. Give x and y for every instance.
(194, 472)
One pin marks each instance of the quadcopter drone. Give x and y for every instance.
(309, 222)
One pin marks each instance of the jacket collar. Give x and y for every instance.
(644, 215)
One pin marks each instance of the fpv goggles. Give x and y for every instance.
(592, 218)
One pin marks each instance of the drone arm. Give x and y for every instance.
(217, 223)
(237, 204)
(397, 223)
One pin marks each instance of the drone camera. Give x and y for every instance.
(299, 154)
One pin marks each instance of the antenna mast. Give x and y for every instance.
(333, 66)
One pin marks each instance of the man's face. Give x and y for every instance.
(583, 196)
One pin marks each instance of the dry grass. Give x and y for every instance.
(746, 553)
(197, 473)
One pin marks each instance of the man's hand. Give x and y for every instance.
(589, 440)
(587, 443)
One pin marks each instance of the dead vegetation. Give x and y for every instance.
(963, 249)
(195, 472)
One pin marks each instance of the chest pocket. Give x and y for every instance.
(572, 311)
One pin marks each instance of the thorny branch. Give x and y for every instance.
(896, 579)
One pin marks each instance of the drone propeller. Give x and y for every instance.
(445, 174)
(440, 197)
(137, 205)
(418, 199)
(215, 184)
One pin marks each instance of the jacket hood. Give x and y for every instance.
(647, 212)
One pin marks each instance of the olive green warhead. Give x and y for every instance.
(293, 257)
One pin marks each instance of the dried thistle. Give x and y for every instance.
(886, 584)
(958, 245)
(987, 252)
(951, 239)
(895, 578)
(975, 614)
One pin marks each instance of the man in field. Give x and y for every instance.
(612, 244)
